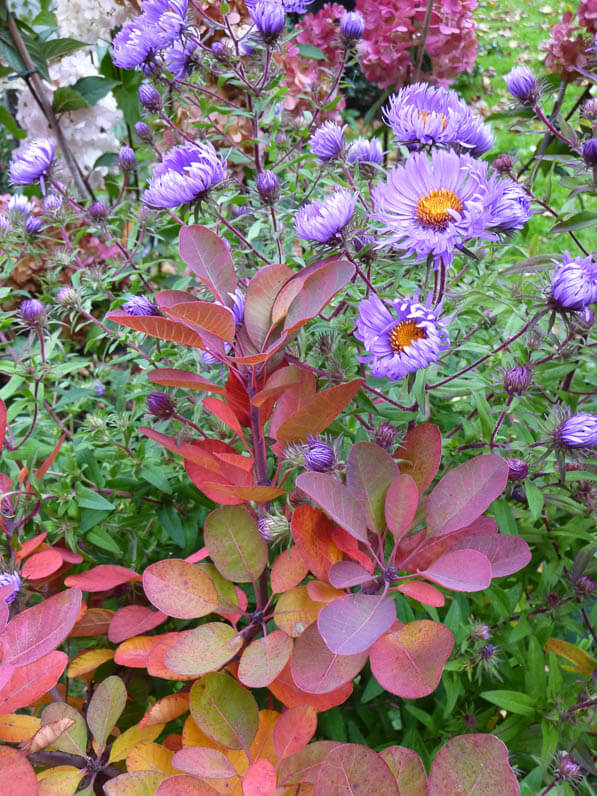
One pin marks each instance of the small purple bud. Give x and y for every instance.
(33, 224)
(161, 405)
(52, 204)
(585, 585)
(150, 98)
(487, 652)
(352, 25)
(98, 211)
(319, 456)
(517, 470)
(239, 210)
(385, 437)
(568, 768)
(139, 305)
(67, 296)
(503, 163)
(521, 83)
(268, 187)
(246, 48)
(127, 159)
(11, 579)
(219, 50)
(273, 527)
(589, 152)
(519, 495)
(590, 110)
(144, 132)
(517, 380)
(99, 389)
(33, 312)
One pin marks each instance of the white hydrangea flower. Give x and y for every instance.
(89, 132)
(91, 20)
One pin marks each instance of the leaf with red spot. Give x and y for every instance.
(351, 624)
(208, 256)
(102, 578)
(316, 670)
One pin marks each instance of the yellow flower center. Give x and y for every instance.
(404, 334)
(433, 209)
(424, 115)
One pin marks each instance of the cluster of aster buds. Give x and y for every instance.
(33, 313)
(589, 110)
(161, 405)
(517, 380)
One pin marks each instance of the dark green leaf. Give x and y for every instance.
(67, 99)
(88, 499)
(94, 88)
(7, 121)
(310, 51)
(585, 218)
(56, 48)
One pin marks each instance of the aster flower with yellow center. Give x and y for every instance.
(430, 206)
(400, 336)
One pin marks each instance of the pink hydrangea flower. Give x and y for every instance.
(587, 15)
(567, 49)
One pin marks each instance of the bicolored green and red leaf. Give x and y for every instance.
(234, 544)
(351, 768)
(203, 649)
(476, 763)
(224, 710)
(209, 258)
(401, 503)
(369, 473)
(264, 658)
(407, 767)
(180, 589)
(316, 670)
(335, 499)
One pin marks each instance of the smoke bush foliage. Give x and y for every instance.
(298, 425)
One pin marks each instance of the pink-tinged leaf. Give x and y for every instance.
(318, 412)
(294, 729)
(316, 670)
(460, 570)
(155, 662)
(409, 661)
(209, 258)
(193, 452)
(261, 293)
(171, 377)
(105, 708)
(135, 783)
(6, 672)
(401, 503)
(234, 543)
(179, 589)
(313, 533)
(263, 660)
(224, 710)
(40, 629)
(353, 769)
(203, 649)
(288, 570)
(317, 290)
(422, 592)
(506, 554)
(407, 767)
(345, 574)
(351, 624)
(418, 551)
(472, 764)
(465, 493)
(176, 785)
(228, 494)
(200, 555)
(30, 682)
(68, 555)
(207, 317)
(204, 762)
(41, 565)
(18, 776)
(260, 779)
(30, 545)
(133, 620)
(420, 454)
(102, 578)
(258, 359)
(285, 689)
(335, 499)
(5, 591)
(369, 473)
(303, 766)
(170, 298)
(162, 328)
(280, 381)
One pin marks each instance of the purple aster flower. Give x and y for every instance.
(52, 204)
(185, 174)
(517, 379)
(365, 151)
(33, 224)
(567, 768)
(133, 45)
(99, 388)
(33, 312)
(324, 220)
(268, 187)
(577, 431)
(507, 205)
(19, 204)
(296, 6)
(32, 162)
(521, 83)
(161, 405)
(432, 206)
(269, 17)
(238, 306)
(574, 283)
(401, 336)
(144, 132)
(11, 579)
(589, 152)
(425, 114)
(165, 20)
(320, 456)
(352, 25)
(179, 60)
(327, 142)
(4, 226)
(150, 98)
(140, 305)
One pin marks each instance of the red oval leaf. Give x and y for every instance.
(402, 501)
(335, 499)
(209, 258)
(260, 779)
(41, 564)
(420, 454)
(294, 729)
(18, 776)
(460, 570)
(30, 682)
(133, 620)
(180, 589)
(102, 578)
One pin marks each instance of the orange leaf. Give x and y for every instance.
(319, 412)
(170, 377)
(94, 622)
(288, 570)
(166, 709)
(162, 328)
(51, 458)
(18, 777)
(150, 757)
(17, 727)
(294, 729)
(206, 316)
(284, 689)
(134, 651)
(31, 681)
(312, 531)
(29, 546)
(295, 611)
(88, 661)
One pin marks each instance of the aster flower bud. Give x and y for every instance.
(385, 437)
(273, 527)
(503, 163)
(219, 50)
(19, 205)
(150, 98)
(33, 224)
(567, 768)
(573, 283)
(269, 17)
(576, 432)
(481, 633)
(67, 296)
(127, 159)
(98, 211)
(352, 26)
(239, 210)
(487, 652)
(327, 142)
(320, 457)
(33, 312)
(585, 585)
(517, 380)
(517, 469)
(521, 83)
(161, 405)
(144, 132)
(52, 204)
(99, 389)
(268, 187)
(324, 220)
(10, 579)
(589, 152)
(589, 110)
(139, 305)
